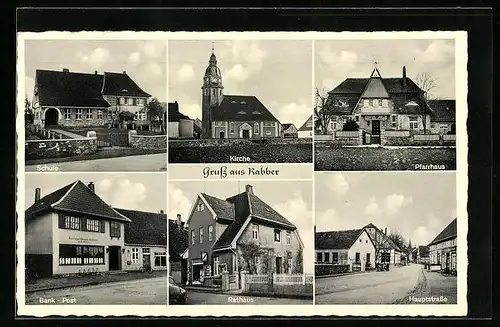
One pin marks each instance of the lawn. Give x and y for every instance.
(360, 158)
(258, 153)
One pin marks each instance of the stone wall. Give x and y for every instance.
(230, 142)
(55, 148)
(153, 142)
(321, 270)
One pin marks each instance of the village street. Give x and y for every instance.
(221, 299)
(384, 287)
(144, 291)
(149, 162)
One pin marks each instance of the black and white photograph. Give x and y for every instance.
(240, 101)
(95, 239)
(385, 104)
(95, 105)
(242, 242)
(395, 243)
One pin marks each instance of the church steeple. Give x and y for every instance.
(211, 92)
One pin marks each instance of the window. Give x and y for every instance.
(433, 125)
(358, 257)
(380, 102)
(205, 91)
(256, 128)
(366, 103)
(290, 265)
(216, 266)
(201, 235)
(288, 238)
(81, 254)
(99, 114)
(335, 257)
(72, 222)
(88, 114)
(114, 229)
(139, 102)
(201, 206)
(67, 114)
(393, 120)
(146, 250)
(256, 261)
(193, 237)
(220, 92)
(384, 103)
(135, 255)
(213, 92)
(210, 233)
(231, 127)
(160, 259)
(277, 235)
(357, 118)
(92, 225)
(413, 122)
(255, 231)
(79, 114)
(375, 102)
(319, 257)
(327, 257)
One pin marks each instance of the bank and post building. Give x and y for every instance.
(72, 230)
(378, 104)
(221, 230)
(83, 99)
(233, 116)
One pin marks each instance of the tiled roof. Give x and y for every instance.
(241, 108)
(145, 227)
(58, 88)
(286, 126)
(262, 209)
(336, 239)
(423, 250)
(304, 127)
(450, 231)
(121, 84)
(375, 89)
(223, 209)
(178, 239)
(380, 239)
(442, 110)
(76, 198)
(228, 236)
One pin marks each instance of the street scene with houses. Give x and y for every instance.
(380, 108)
(95, 239)
(246, 244)
(250, 111)
(95, 105)
(381, 245)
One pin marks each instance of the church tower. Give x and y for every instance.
(211, 94)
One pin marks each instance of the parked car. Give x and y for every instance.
(176, 294)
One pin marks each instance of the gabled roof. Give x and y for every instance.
(375, 89)
(178, 239)
(304, 126)
(442, 110)
(76, 198)
(241, 108)
(379, 238)
(336, 240)
(447, 233)
(121, 84)
(261, 209)
(59, 88)
(287, 125)
(423, 250)
(145, 227)
(223, 209)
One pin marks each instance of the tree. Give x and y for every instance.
(322, 112)
(155, 111)
(29, 115)
(351, 125)
(398, 239)
(248, 253)
(299, 262)
(426, 82)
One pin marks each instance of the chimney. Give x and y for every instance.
(124, 72)
(65, 70)
(179, 218)
(95, 72)
(91, 187)
(249, 188)
(182, 224)
(38, 192)
(385, 231)
(404, 75)
(161, 211)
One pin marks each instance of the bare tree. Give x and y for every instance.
(398, 239)
(426, 82)
(322, 113)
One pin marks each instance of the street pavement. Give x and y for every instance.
(148, 162)
(221, 299)
(144, 291)
(439, 285)
(383, 287)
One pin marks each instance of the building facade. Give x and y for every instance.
(233, 116)
(354, 248)
(386, 250)
(79, 99)
(378, 104)
(240, 233)
(422, 254)
(443, 116)
(443, 249)
(180, 125)
(306, 130)
(290, 131)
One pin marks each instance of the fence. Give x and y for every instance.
(426, 137)
(346, 134)
(112, 139)
(449, 137)
(45, 134)
(284, 279)
(397, 133)
(297, 285)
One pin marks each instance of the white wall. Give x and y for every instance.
(173, 129)
(304, 134)
(38, 235)
(363, 245)
(127, 263)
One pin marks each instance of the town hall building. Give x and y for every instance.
(233, 116)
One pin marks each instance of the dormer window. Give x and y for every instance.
(243, 102)
(241, 112)
(233, 101)
(256, 112)
(412, 104)
(201, 206)
(125, 90)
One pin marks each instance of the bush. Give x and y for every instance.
(351, 125)
(321, 270)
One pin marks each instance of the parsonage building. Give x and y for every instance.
(233, 116)
(240, 233)
(72, 230)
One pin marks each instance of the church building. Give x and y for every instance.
(233, 116)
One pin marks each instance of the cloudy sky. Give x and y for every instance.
(293, 200)
(144, 61)
(278, 73)
(336, 60)
(417, 205)
(145, 192)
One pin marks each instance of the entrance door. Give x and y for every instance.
(221, 135)
(246, 133)
(375, 137)
(279, 265)
(114, 258)
(368, 260)
(196, 272)
(51, 117)
(146, 260)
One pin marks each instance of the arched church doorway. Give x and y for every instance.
(51, 117)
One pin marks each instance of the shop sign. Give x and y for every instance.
(79, 239)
